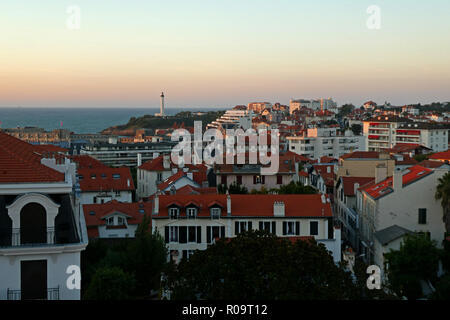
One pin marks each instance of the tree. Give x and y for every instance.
(417, 259)
(345, 110)
(110, 283)
(443, 194)
(442, 289)
(356, 128)
(258, 265)
(145, 258)
(296, 188)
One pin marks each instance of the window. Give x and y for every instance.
(214, 232)
(241, 226)
(110, 221)
(269, 226)
(159, 176)
(422, 216)
(239, 179)
(223, 179)
(173, 234)
(142, 211)
(116, 176)
(92, 213)
(92, 176)
(117, 193)
(215, 213)
(279, 179)
(257, 179)
(80, 177)
(191, 213)
(313, 228)
(174, 213)
(103, 176)
(291, 228)
(120, 221)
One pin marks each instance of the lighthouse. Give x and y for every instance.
(161, 106)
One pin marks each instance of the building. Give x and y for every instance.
(258, 107)
(124, 154)
(41, 229)
(318, 104)
(316, 142)
(155, 175)
(364, 164)
(114, 219)
(193, 222)
(103, 184)
(386, 132)
(233, 119)
(441, 156)
(407, 200)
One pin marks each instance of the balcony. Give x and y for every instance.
(48, 294)
(33, 236)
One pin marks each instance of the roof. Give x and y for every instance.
(407, 147)
(95, 213)
(49, 148)
(172, 179)
(105, 179)
(188, 189)
(251, 205)
(431, 164)
(442, 156)
(348, 184)
(384, 187)
(86, 161)
(390, 234)
(20, 162)
(361, 155)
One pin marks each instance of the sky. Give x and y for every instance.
(221, 53)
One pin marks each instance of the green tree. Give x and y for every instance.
(235, 188)
(356, 129)
(443, 194)
(417, 259)
(296, 188)
(345, 110)
(259, 265)
(145, 258)
(110, 283)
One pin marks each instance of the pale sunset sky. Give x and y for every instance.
(220, 53)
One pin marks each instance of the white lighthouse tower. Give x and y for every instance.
(161, 106)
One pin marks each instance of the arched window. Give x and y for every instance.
(33, 224)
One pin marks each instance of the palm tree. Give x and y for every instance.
(443, 194)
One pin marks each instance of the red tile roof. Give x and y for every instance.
(361, 155)
(349, 184)
(250, 205)
(19, 162)
(95, 213)
(49, 148)
(170, 180)
(384, 187)
(441, 156)
(104, 179)
(431, 164)
(86, 161)
(188, 189)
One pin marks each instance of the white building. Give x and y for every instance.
(386, 132)
(319, 142)
(192, 222)
(41, 229)
(407, 200)
(234, 118)
(317, 104)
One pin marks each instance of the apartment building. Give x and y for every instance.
(405, 200)
(233, 119)
(41, 229)
(103, 184)
(314, 104)
(258, 107)
(386, 132)
(317, 142)
(193, 222)
(364, 164)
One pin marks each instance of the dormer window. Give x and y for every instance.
(110, 221)
(191, 213)
(174, 213)
(93, 176)
(103, 175)
(116, 176)
(215, 213)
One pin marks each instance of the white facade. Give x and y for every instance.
(319, 142)
(105, 196)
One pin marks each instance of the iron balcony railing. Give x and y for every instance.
(48, 294)
(27, 236)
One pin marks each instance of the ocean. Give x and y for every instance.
(78, 120)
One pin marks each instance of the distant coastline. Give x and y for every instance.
(78, 120)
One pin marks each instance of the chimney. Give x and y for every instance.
(278, 209)
(166, 161)
(380, 172)
(156, 204)
(228, 205)
(397, 178)
(139, 159)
